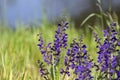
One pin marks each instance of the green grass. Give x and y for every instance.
(18, 55)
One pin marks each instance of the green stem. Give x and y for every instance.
(53, 70)
(64, 76)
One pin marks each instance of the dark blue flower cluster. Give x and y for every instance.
(51, 53)
(45, 50)
(77, 60)
(108, 52)
(43, 71)
(60, 41)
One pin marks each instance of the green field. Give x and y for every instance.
(19, 51)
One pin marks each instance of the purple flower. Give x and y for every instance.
(78, 59)
(66, 72)
(43, 71)
(118, 74)
(107, 58)
(41, 44)
(60, 41)
(114, 24)
(106, 33)
(52, 52)
(118, 43)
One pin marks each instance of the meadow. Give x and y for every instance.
(19, 51)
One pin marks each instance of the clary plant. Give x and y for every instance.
(77, 59)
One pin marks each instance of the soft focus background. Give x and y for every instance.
(22, 20)
(32, 12)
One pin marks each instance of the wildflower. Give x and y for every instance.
(43, 71)
(41, 44)
(107, 58)
(83, 64)
(60, 41)
(78, 59)
(106, 33)
(51, 53)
